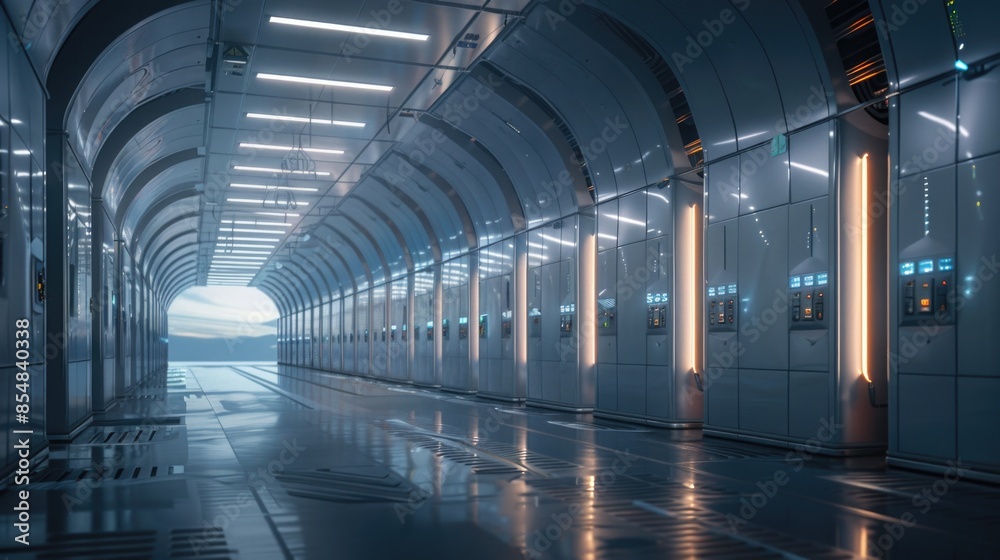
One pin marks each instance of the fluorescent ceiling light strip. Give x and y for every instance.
(349, 28)
(279, 171)
(289, 118)
(225, 251)
(251, 146)
(257, 223)
(235, 267)
(256, 201)
(322, 82)
(277, 214)
(225, 229)
(246, 246)
(261, 239)
(226, 259)
(274, 187)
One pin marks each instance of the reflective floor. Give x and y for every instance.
(256, 461)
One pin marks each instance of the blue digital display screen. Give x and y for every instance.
(908, 269)
(944, 265)
(711, 292)
(795, 282)
(430, 324)
(809, 280)
(732, 289)
(822, 279)
(567, 308)
(655, 298)
(463, 320)
(925, 267)
(721, 290)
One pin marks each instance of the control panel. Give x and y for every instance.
(606, 312)
(446, 329)
(392, 333)
(926, 290)
(430, 330)
(807, 300)
(566, 317)
(656, 313)
(506, 324)
(463, 328)
(483, 326)
(383, 333)
(722, 307)
(404, 333)
(366, 335)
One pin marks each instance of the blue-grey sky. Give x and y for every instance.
(224, 312)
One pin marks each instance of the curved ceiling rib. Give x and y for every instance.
(383, 218)
(417, 211)
(130, 194)
(139, 119)
(97, 28)
(487, 160)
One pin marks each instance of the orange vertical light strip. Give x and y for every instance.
(864, 267)
(694, 290)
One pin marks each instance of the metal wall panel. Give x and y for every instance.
(424, 327)
(399, 329)
(927, 128)
(456, 325)
(363, 328)
(380, 332)
(337, 343)
(763, 266)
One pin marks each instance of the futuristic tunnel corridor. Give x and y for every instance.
(537, 278)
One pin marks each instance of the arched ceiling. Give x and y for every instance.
(231, 148)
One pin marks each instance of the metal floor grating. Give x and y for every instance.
(65, 477)
(129, 435)
(462, 454)
(905, 491)
(712, 450)
(362, 484)
(177, 544)
(666, 509)
(598, 426)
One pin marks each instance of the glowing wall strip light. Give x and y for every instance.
(864, 267)
(694, 291)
